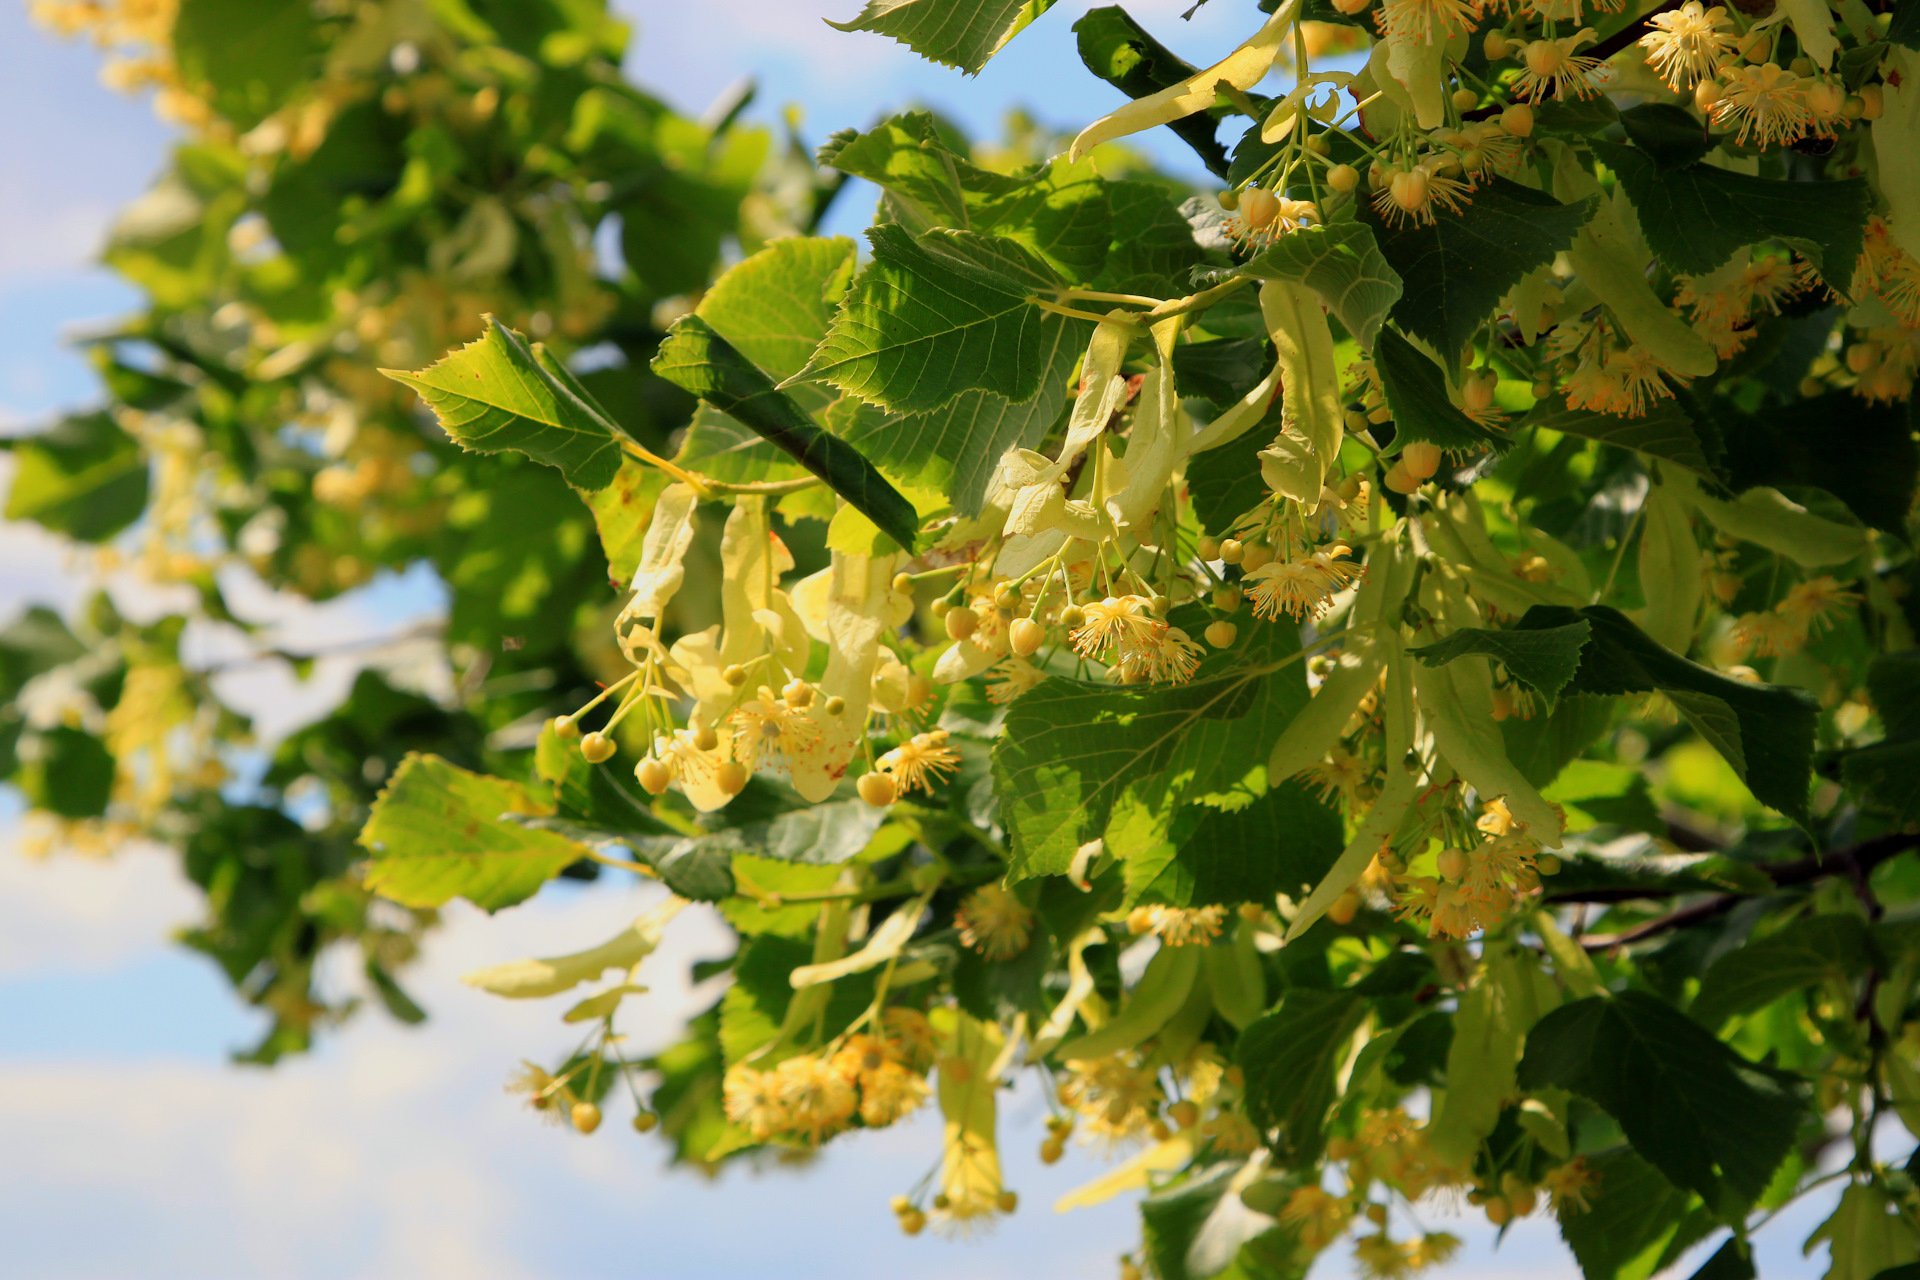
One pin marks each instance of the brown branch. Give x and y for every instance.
(1855, 862)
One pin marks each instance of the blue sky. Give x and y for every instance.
(128, 1147)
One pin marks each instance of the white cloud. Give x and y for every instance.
(66, 915)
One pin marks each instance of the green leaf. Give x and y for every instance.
(1290, 1058)
(438, 832)
(957, 447)
(493, 395)
(1542, 658)
(1153, 250)
(1729, 1262)
(1764, 731)
(955, 33)
(1693, 1108)
(1905, 28)
(1341, 262)
(1669, 134)
(772, 309)
(1195, 1229)
(1635, 1220)
(1058, 209)
(1697, 217)
(1072, 753)
(248, 55)
(1225, 483)
(1416, 393)
(1456, 271)
(752, 1009)
(1874, 475)
(1801, 954)
(1665, 432)
(35, 642)
(68, 772)
(701, 866)
(696, 359)
(1887, 769)
(1867, 1235)
(85, 478)
(937, 314)
(1284, 841)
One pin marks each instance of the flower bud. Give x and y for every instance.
(1025, 636)
(597, 747)
(877, 789)
(652, 776)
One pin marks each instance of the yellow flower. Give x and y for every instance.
(818, 1100)
(1688, 44)
(1299, 588)
(1317, 1215)
(910, 1035)
(769, 727)
(921, 761)
(1551, 68)
(1116, 1097)
(1405, 194)
(1114, 620)
(889, 1093)
(1570, 1184)
(1168, 655)
(1768, 103)
(752, 1100)
(1185, 926)
(1770, 634)
(994, 922)
(1380, 1257)
(1435, 1249)
(1810, 603)
(1427, 19)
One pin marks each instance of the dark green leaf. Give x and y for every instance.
(1697, 217)
(1635, 1218)
(1290, 1057)
(1073, 752)
(1416, 392)
(69, 772)
(696, 359)
(1692, 1107)
(1669, 134)
(1456, 271)
(1798, 956)
(1874, 475)
(1282, 842)
(1887, 769)
(1225, 483)
(1764, 731)
(1341, 262)
(1543, 658)
(1664, 432)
